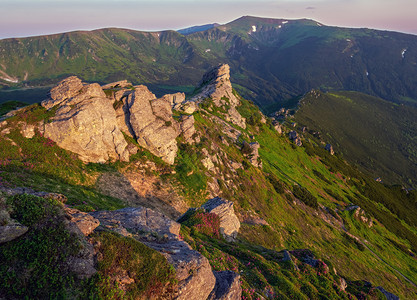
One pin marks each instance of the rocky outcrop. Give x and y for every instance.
(188, 129)
(90, 122)
(81, 220)
(175, 99)
(196, 279)
(137, 219)
(216, 85)
(152, 123)
(227, 286)
(250, 150)
(329, 148)
(278, 127)
(293, 135)
(229, 223)
(84, 122)
(66, 89)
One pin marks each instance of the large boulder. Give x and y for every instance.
(229, 223)
(85, 122)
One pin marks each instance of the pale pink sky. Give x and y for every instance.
(21, 18)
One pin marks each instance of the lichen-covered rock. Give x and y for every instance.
(227, 286)
(174, 99)
(11, 231)
(229, 223)
(88, 128)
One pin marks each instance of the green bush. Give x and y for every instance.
(304, 195)
(30, 209)
(151, 273)
(35, 266)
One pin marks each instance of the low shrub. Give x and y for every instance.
(304, 195)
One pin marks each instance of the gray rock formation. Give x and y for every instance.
(216, 85)
(152, 123)
(187, 128)
(175, 99)
(387, 294)
(329, 148)
(81, 220)
(194, 274)
(251, 151)
(229, 223)
(85, 122)
(137, 219)
(293, 135)
(90, 123)
(66, 89)
(227, 286)
(11, 231)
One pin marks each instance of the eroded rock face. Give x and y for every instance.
(229, 223)
(66, 89)
(216, 85)
(85, 122)
(90, 123)
(187, 128)
(151, 122)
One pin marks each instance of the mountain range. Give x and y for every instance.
(184, 189)
(273, 60)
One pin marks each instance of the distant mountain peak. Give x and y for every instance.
(198, 28)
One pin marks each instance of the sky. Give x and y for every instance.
(21, 18)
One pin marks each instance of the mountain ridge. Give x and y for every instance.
(283, 59)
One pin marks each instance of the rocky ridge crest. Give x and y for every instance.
(91, 120)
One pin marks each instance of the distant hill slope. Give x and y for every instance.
(198, 28)
(379, 136)
(273, 59)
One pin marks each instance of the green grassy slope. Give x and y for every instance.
(301, 192)
(376, 135)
